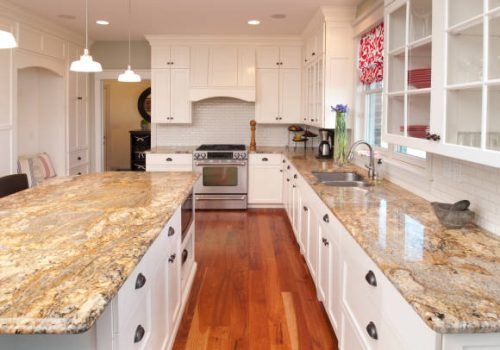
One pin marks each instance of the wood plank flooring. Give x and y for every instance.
(252, 289)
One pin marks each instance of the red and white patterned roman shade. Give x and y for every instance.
(371, 56)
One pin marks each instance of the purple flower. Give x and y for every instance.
(340, 108)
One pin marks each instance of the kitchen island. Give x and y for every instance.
(68, 246)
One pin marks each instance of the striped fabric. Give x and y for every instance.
(37, 167)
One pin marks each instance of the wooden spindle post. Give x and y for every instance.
(253, 145)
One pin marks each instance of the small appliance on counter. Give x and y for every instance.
(325, 149)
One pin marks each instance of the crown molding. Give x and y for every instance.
(26, 17)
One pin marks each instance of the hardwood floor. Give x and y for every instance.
(252, 289)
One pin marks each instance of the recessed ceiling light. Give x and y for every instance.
(102, 22)
(278, 16)
(254, 22)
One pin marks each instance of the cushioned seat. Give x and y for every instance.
(13, 183)
(37, 167)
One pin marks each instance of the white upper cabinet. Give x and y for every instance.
(170, 96)
(278, 57)
(222, 66)
(170, 57)
(454, 112)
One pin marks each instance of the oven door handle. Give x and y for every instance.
(218, 198)
(221, 163)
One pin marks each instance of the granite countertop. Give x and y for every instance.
(67, 246)
(173, 149)
(451, 277)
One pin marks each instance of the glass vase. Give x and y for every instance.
(340, 139)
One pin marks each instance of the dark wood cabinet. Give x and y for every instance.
(140, 141)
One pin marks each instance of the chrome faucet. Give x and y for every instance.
(371, 167)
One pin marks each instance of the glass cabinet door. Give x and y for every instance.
(473, 74)
(409, 61)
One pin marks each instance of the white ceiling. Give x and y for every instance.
(180, 16)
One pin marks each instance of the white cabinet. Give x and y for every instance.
(169, 162)
(329, 277)
(278, 96)
(279, 57)
(453, 113)
(78, 119)
(471, 341)
(328, 76)
(170, 56)
(265, 178)
(173, 279)
(170, 96)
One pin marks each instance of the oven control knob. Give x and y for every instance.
(243, 156)
(196, 156)
(204, 155)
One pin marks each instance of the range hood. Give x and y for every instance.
(240, 93)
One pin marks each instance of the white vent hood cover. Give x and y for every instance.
(245, 94)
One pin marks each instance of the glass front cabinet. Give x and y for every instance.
(442, 77)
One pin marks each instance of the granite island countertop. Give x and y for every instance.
(451, 277)
(67, 246)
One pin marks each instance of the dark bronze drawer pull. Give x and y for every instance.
(169, 159)
(140, 281)
(371, 329)
(171, 231)
(305, 208)
(295, 176)
(326, 218)
(184, 256)
(79, 158)
(139, 334)
(371, 279)
(265, 159)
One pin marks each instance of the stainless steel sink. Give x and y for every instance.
(344, 179)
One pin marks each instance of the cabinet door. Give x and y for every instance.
(160, 95)
(160, 57)
(268, 57)
(223, 66)
(290, 57)
(246, 66)
(313, 245)
(324, 265)
(304, 225)
(265, 184)
(180, 105)
(267, 99)
(72, 111)
(199, 66)
(82, 104)
(179, 56)
(290, 96)
(173, 285)
(297, 210)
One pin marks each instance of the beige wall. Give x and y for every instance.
(121, 116)
(114, 54)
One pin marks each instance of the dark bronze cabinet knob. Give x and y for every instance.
(140, 281)
(371, 279)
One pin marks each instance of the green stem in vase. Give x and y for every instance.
(340, 142)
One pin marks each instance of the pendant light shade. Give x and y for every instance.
(86, 64)
(7, 40)
(129, 76)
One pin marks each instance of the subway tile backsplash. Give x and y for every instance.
(221, 120)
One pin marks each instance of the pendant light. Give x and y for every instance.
(86, 64)
(7, 40)
(129, 76)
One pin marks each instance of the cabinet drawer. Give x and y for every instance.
(79, 170)
(265, 159)
(169, 159)
(78, 158)
(136, 332)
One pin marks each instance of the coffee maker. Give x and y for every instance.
(326, 143)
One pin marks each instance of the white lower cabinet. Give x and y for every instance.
(169, 162)
(265, 178)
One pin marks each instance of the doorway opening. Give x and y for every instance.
(121, 116)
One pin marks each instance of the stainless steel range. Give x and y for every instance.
(224, 176)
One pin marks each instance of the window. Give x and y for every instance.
(370, 66)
